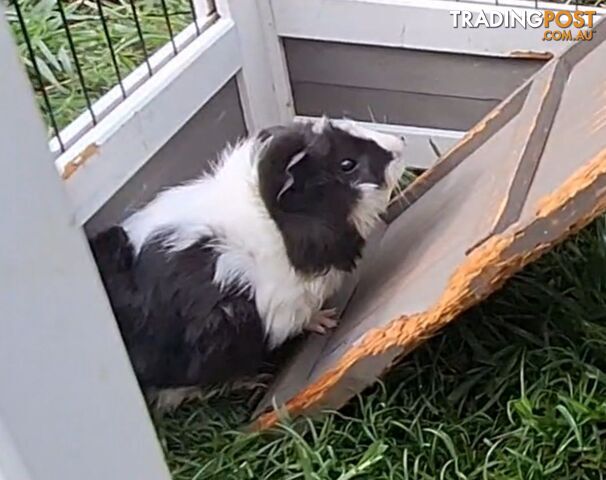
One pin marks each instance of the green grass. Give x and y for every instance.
(56, 62)
(516, 389)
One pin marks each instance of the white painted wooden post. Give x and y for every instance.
(263, 80)
(70, 408)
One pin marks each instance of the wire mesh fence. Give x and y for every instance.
(75, 51)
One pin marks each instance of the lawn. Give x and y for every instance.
(516, 389)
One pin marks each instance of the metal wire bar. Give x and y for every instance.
(41, 86)
(140, 35)
(72, 48)
(168, 25)
(110, 45)
(194, 16)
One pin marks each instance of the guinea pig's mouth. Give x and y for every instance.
(372, 202)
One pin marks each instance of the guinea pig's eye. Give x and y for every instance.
(348, 165)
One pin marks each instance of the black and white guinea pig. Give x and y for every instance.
(213, 274)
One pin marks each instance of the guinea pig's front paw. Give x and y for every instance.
(322, 321)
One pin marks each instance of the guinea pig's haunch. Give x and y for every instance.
(214, 274)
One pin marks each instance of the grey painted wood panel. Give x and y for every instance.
(70, 407)
(185, 156)
(431, 111)
(384, 68)
(419, 88)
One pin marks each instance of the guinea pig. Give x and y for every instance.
(214, 274)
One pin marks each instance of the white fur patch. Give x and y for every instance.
(374, 200)
(394, 172)
(227, 205)
(388, 142)
(366, 213)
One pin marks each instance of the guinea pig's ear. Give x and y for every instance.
(281, 149)
(289, 180)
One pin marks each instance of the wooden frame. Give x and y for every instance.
(96, 164)
(243, 39)
(405, 24)
(113, 98)
(263, 81)
(101, 161)
(70, 406)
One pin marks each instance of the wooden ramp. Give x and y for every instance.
(529, 175)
